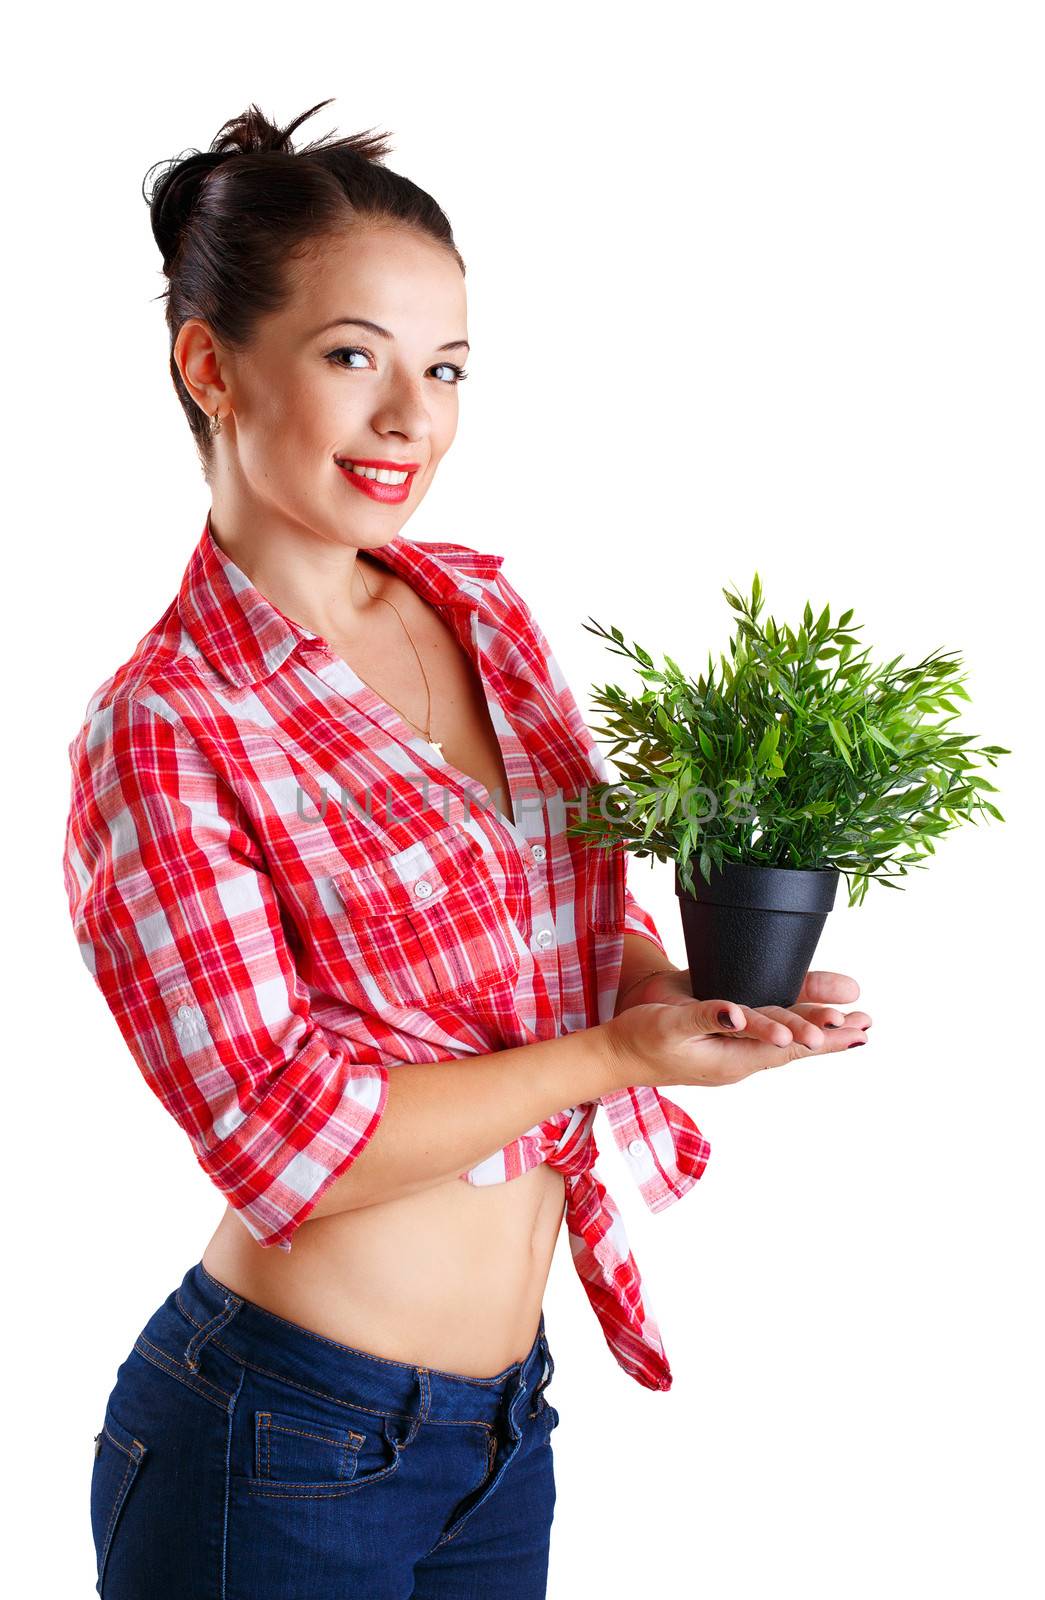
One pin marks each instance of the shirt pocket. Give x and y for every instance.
(424, 924)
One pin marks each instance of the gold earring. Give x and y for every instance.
(215, 424)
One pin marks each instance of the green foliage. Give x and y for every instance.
(798, 752)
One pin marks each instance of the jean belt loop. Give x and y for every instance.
(209, 1329)
(424, 1404)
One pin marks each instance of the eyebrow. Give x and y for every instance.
(360, 322)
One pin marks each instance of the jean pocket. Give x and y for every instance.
(118, 1456)
(310, 1453)
(289, 1447)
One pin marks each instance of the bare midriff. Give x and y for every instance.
(451, 1276)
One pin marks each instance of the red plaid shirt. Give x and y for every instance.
(282, 891)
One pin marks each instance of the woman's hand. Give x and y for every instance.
(817, 1000)
(667, 1037)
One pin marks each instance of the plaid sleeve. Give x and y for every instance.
(543, 661)
(178, 922)
(638, 920)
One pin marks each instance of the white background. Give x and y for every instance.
(749, 286)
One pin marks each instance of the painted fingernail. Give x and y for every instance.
(856, 1044)
(832, 1024)
(726, 1020)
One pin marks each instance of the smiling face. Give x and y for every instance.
(312, 395)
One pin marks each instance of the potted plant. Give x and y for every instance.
(798, 761)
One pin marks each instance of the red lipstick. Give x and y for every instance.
(387, 493)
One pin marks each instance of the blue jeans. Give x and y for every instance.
(244, 1457)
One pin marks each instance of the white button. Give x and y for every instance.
(422, 889)
(637, 1148)
(186, 1011)
(544, 937)
(538, 851)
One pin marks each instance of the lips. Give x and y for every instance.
(389, 494)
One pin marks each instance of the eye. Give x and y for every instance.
(334, 357)
(347, 350)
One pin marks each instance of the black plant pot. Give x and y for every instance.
(752, 931)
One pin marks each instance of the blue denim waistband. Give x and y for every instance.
(258, 1338)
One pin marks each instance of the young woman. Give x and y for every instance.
(317, 865)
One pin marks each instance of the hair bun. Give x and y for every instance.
(252, 133)
(174, 196)
(178, 189)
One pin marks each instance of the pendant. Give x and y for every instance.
(437, 744)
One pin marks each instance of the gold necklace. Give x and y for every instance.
(435, 743)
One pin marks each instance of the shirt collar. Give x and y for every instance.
(247, 638)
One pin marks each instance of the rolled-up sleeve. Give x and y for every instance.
(178, 922)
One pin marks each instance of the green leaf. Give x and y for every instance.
(839, 737)
(767, 744)
(879, 737)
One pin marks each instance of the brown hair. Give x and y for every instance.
(227, 239)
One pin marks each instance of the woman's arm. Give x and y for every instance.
(178, 922)
(641, 959)
(441, 1120)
